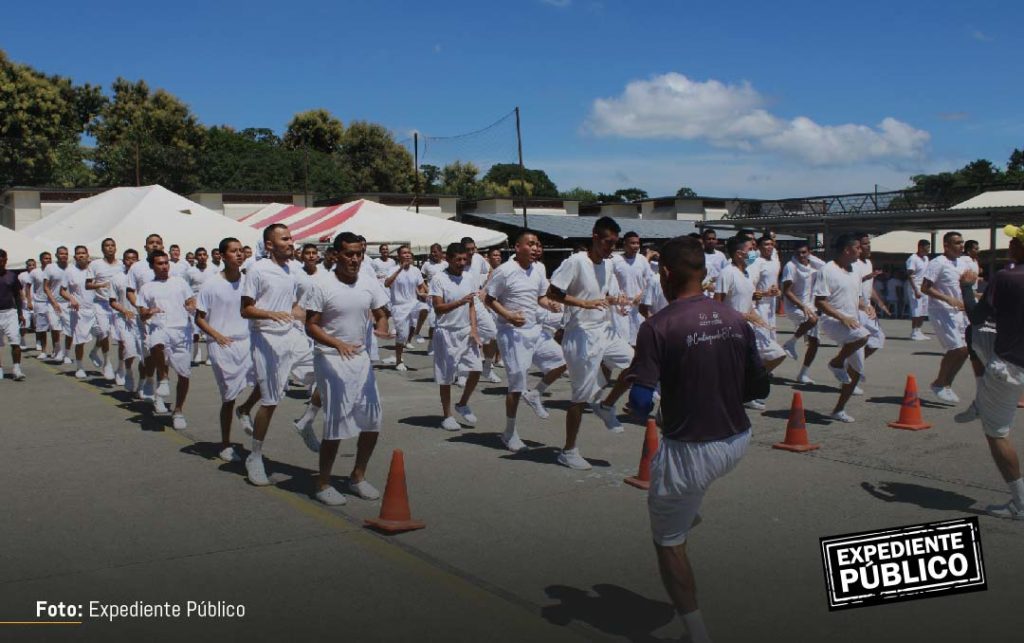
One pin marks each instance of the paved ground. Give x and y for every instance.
(106, 503)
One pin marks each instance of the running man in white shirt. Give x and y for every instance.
(218, 314)
(916, 265)
(456, 344)
(124, 329)
(100, 274)
(714, 260)
(60, 314)
(139, 275)
(166, 304)
(336, 311)
(941, 284)
(585, 284)
(279, 348)
(41, 308)
(434, 265)
(767, 283)
(837, 295)
(485, 322)
(406, 285)
(633, 274)
(798, 278)
(27, 330)
(198, 272)
(869, 297)
(84, 327)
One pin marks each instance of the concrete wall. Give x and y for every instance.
(22, 208)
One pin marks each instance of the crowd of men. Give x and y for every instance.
(685, 324)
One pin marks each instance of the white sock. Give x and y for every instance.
(257, 448)
(78, 364)
(486, 372)
(1017, 489)
(541, 387)
(510, 427)
(695, 626)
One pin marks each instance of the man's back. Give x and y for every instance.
(1007, 298)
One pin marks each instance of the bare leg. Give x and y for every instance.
(422, 317)
(677, 576)
(261, 423)
(180, 393)
(620, 387)
(328, 453)
(812, 351)
(446, 400)
(471, 382)
(364, 449)
(773, 364)
(573, 417)
(16, 353)
(846, 390)
(226, 410)
(254, 397)
(951, 364)
(512, 404)
(1005, 457)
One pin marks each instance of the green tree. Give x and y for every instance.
(685, 192)
(316, 130)
(582, 195)
(981, 172)
(628, 195)
(429, 177)
(373, 162)
(147, 137)
(461, 178)
(509, 174)
(247, 160)
(42, 119)
(1015, 166)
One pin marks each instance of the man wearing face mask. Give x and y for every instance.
(735, 287)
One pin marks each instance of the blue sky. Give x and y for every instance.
(757, 99)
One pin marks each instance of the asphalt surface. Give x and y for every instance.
(105, 502)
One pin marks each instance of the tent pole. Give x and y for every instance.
(991, 246)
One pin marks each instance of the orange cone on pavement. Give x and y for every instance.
(910, 411)
(642, 480)
(796, 429)
(395, 516)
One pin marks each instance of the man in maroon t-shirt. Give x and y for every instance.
(704, 356)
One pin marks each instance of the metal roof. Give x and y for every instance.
(581, 227)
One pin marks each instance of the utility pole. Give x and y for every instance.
(522, 168)
(416, 166)
(305, 161)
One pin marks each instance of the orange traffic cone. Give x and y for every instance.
(796, 429)
(910, 411)
(395, 516)
(642, 480)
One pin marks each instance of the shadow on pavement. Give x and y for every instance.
(815, 388)
(611, 609)
(425, 421)
(489, 440)
(548, 455)
(924, 497)
(898, 401)
(931, 353)
(810, 417)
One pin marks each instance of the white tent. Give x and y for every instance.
(902, 241)
(377, 222)
(128, 215)
(20, 248)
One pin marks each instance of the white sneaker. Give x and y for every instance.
(208, 362)
(755, 405)
(178, 422)
(389, 361)
(80, 374)
(244, 420)
(1, 374)
(328, 495)
(95, 358)
(607, 415)
(840, 374)
(363, 489)
(1010, 511)
(970, 414)
(573, 460)
(256, 473)
(430, 351)
(119, 378)
(420, 340)
(498, 364)
(163, 389)
(66, 361)
(43, 357)
(493, 378)
(461, 381)
(147, 389)
(804, 378)
(919, 336)
(308, 435)
(410, 345)
(59, 357)
(513, 443)
(790, 348)
(466, 414)
(450, 424)
(159, 408)
(39, 347)
(18, 375)
(109, 374)
(945, 394)
(401, 367)
(532, 399)
(842, 416)
(229, 454)
(858, 390)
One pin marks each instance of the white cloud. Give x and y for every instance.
(980, 35)
(437, 48)
(557, 3)
(672, 106)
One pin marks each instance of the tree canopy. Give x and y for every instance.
(316, 130)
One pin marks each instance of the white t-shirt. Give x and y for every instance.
(221, 302)
(864, 268)
(802, 278)
(76, 286)
(404, 288)
(196, 277)
(119, 289)
(366, 268)
(945, 277)
(344, 308)
(55, 276)
(139, 275)
(479, 268)
(451, 288)
(715, 263)
(580, 277)
(179, 269)
(37, 278)
(25, 280)
(101, 271)
(841, 287)
(518, 290)
(766, 276)
(431, 269)
(383, 268)
(271, 287)
(169, 296)
(918, 265)
(654, 296)
(248, 264)
(738, 288)
(632, 274)
(968, 265)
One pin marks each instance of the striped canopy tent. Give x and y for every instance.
(377, 222)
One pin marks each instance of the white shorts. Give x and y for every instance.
(876, 336)
(232, 367)
(454, 353)
(798, 317)
(373, 346)
(349, 392)
(10, 328)
(548, 355)
(41, 316)
(585, 350)
(83, 324)
(627, 325)
(60, 322)
(517, 346)
(840, 334)
(486, 326)
(767, 347)
(681, 473)
(999, 389)
(177, 343)
(404, 317)
(766, 311)
(919, 307)
(950, 327)
(275, 356)
(127, 335)
(104, 318)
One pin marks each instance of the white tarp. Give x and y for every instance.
(128, 215)
(20, 248)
